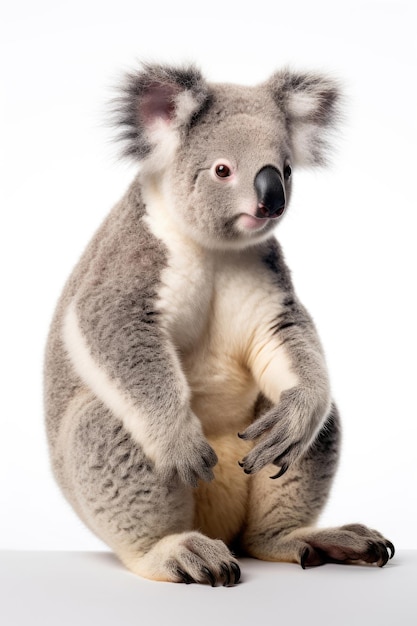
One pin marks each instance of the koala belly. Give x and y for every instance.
(221, 505)
(223, 397)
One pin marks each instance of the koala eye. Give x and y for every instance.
(222, 170)
(287, 171)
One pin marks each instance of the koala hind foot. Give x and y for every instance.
(352, 543)
(188, 557)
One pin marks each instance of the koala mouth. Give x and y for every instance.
(252, 223)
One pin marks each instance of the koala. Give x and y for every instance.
(188, 408)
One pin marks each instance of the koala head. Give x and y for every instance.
(220, 155)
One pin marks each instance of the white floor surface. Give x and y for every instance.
(80, 588)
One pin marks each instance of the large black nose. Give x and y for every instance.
(270, 192)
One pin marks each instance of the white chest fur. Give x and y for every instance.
(187, 281)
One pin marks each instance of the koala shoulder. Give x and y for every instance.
(122, 248)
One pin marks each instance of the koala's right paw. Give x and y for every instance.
(189, 456)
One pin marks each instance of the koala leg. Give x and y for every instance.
(146, 520)
(282, 513)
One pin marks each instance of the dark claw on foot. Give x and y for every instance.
(391, 548)
(240, 463)
(226, 574)
(236, 571)
(209, 576)
(186, 578)
(304, 557)
(384, 556)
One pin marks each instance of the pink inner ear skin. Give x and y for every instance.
(158, 102)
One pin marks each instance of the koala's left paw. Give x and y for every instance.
(352, 543)
(285, 430)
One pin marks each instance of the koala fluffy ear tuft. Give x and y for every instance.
(310, 103)
(155, 102)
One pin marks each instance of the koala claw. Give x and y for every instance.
(226, 573)
(236, 571)
(186, 578)
(391, 548)
(281, 472)
(304, 556)
(384, 554)
(209, 576)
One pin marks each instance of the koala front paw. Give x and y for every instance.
(286, 431)
(189, 456)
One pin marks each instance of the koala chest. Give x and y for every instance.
(185, 296)
(200, 305)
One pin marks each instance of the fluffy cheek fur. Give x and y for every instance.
(206, 220)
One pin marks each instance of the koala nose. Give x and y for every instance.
(270, 192)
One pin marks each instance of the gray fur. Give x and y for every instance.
(118, 483)
(133, 328)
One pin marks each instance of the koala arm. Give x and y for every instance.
(288, 364)
(116, 344)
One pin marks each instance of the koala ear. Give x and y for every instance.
(156, 103)
(310, 103)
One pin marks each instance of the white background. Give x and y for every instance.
(349, 235)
